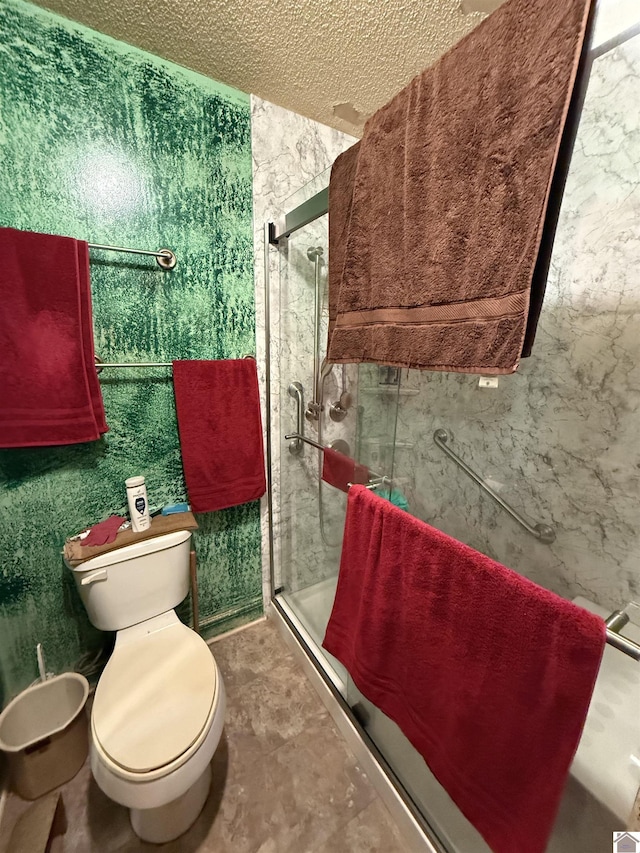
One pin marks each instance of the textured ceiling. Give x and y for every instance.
(310, 56)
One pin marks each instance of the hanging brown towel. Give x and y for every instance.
(439, 212)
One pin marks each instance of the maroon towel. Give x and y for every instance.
(49, 388)
(218, 407)
(338, 470)
(103, 532)
(486, 673)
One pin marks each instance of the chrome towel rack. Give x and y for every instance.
(375, 481)
(544, 532)
(100, 364)
(165, 257)
(614, 623)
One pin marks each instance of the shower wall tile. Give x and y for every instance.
(289, 153)
(559, 439)
(104, 142)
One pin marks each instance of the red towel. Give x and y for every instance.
(338, 470)
(103, 532)
(486, 673)
(218, 407)
(49, 388)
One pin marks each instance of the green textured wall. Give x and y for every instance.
(103, 142)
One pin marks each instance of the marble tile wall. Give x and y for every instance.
(290, 155)
(559, 439)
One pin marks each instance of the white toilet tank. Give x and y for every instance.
(135, 583)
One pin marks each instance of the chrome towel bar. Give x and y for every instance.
(165, 257)
(617, 620)
(614, 622)
(101, 364)
(374, 482)
(541, 531)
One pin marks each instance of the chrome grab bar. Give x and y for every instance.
(375, 480)
(541, 531)
(296, 390)
(314, 408)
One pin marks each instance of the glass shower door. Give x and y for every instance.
(354, 413)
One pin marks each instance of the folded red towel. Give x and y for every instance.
(486, 673)
(103, 532)
(48, 383)
(218, 407)
(339, 469)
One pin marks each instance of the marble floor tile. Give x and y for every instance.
(271, 709)
(370, 831)
(252, 651)
(283, 779)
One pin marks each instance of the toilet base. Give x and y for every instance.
(165, 823)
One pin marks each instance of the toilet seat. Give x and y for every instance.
(154, 702)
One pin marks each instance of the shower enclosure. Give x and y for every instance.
(540, 470)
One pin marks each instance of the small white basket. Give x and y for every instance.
(44, 733)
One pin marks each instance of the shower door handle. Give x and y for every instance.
(296, 390)
(314, 409)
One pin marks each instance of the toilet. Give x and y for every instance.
(159, 705)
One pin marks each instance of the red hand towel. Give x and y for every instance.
(103, 532)
(339, 469)
(218, 407)
(486, 673)
(48, 383)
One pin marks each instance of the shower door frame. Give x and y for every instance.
(408, 816)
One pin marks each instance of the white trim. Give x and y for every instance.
(329, 671)
(405, 820)
(4, 795)
(234, 631)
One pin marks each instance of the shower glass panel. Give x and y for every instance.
(557, 441)
(357, 416)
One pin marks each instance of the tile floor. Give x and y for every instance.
(284, 781)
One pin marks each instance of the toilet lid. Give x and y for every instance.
(154, 698)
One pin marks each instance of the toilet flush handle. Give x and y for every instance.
(98, 575)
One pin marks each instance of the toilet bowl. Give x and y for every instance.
(159, 705)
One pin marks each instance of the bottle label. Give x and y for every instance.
(140, 505)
